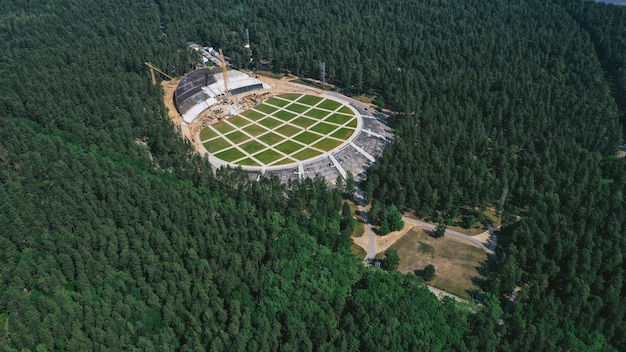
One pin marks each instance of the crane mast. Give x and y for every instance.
(154, 68)
(224, 73)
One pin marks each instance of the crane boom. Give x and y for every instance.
(224, 73)
(154, 68)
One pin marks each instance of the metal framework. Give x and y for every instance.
(154, 68)
(225, 73)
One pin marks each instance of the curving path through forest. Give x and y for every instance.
(451, 233)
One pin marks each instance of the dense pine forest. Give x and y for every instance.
(115, 235)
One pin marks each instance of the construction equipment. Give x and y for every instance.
(225, 74)
(154, 68)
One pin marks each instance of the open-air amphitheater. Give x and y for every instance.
(275, 127)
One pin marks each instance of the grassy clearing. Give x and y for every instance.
(456, 263)
(270, 138)
(255, 130)
(284, 115)
(216, 145)
(288, 147)
(327, 144)
(238, 121)
(306, 154)
(307, 137)
(338, 119)
(323, 128)
(297, 108)
(290, 96)
(268, 156)
(207, 133)
(277, 102)
(265, 108)
(270, 122)
(252, 115)
(309, 99)
(288, 130)
(343, 133)
(329, 105)
(359, 227)
(358, 251)
(237, 137)
(252, 147)
(316, 114)
(230, 154)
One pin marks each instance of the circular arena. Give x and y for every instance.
(292, 133)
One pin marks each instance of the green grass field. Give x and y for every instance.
(231, 154)
(297, 108)
(309, 100)
(258, 146)
(265, 108)
(288, 130)
(238, 121)
(276, 102)
(207, 133)
(327, 144)
(329, 105)
(289, 147)
(323, 128)
(316, 114)
(338, 119)
(216, 144)
(270, 123)
(307, 137)
(284, 115)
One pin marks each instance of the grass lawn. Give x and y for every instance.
(309, 99)
(316, 114)
(265, 108)
(352, 123)
(329, 105)
(303, 122)
(338, 119)
(255, 130)
(290, 96)
(238, 121)
(327, 144)
(248, 162)
(343, 133)
(268, 156)
(306, 154)
(270, 122)
(237, 137)
(307, 137)
(276, 102)
(207, 133)
(288, 130)
(346, 110)
(297, 108)
(216, 144)
(230, 154)
(323, 128)
(252, 147)
(252, 115)
(270, 138)
(289, 147)
(455, 263)
(223, 127)
(358, 251)
(284, 115)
